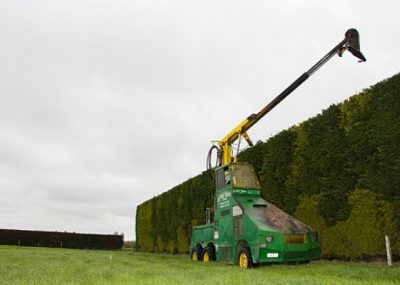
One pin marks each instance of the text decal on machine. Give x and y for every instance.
(223, 199)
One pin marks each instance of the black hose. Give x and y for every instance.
(209, 157)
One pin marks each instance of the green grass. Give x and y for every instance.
(27, 265)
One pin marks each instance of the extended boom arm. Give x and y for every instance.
(224, 148)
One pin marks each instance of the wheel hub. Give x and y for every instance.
(243, 261)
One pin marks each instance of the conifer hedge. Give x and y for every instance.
(338, 172)
(60, 239)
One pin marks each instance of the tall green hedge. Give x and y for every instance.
(60, 239)
(338, 172)
(361, 236)
(164, 223)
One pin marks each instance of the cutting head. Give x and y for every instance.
(353, 44)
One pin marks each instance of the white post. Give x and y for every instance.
(208, 215)
(388, 250)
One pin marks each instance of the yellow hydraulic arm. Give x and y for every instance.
(224, 146)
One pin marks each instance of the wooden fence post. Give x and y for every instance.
(388, 250)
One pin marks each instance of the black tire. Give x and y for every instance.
(209, 254)
(196, 253)
(244, 258)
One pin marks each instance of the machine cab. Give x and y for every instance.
(237, 176)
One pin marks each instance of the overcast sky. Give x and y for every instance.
(105, 104)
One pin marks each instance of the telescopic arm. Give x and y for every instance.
(350, 43)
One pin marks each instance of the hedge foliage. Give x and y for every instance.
(164, 223)
(338, 172)
(60, 239)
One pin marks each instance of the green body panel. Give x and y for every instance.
(243, 219)
(203, 233)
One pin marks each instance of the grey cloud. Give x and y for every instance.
(106, 104)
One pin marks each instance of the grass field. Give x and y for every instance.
(27, 265)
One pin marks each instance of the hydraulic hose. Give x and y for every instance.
(209, 157)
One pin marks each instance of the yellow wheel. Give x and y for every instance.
(206, 257)
(209, 254)
(197, 253)
(244, 258)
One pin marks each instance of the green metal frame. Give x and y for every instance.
(239, 222)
